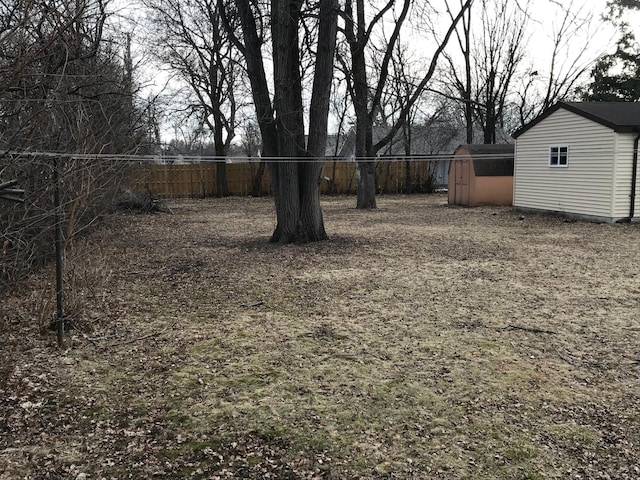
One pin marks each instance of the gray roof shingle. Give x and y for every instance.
(490, 160)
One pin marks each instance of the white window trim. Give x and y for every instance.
(558, 147)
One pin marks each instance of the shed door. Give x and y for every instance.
(463, 172)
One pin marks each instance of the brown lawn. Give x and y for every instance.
(421, 341)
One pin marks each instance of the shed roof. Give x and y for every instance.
(491, 160)
(619, 116)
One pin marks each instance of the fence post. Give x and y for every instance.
(58, 242)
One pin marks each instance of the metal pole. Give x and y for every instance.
(58, 228)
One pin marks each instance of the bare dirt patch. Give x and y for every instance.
(421, 341)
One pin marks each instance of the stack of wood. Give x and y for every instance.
(9, 193)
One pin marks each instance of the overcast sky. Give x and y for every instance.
(598, 36)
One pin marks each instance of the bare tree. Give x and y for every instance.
(570, 59)
(193, 43)
(497, 85)
(461, 83)
(500, 51)
(429, 124)
(395, 101)
(295, 164)
(367, 97)
(62, 86)
(341, 112)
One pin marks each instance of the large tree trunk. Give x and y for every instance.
(286, 196)
(366, 185)
(287, 104)
(311, 225)
(294, 169)
(366, 195)
(311, 221)
(297, 185)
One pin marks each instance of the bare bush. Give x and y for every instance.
(66, 91)
(88, 190)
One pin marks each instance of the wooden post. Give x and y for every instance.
(58, 217)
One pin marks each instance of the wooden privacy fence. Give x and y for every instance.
(196, 180)
(199, 179)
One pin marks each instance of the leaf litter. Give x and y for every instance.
(420, 341)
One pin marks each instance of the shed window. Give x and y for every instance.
(559, 156)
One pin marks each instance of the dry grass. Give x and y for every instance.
(421, 341)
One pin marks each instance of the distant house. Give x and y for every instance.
(580, 159)
(481, 175)
(431, 143)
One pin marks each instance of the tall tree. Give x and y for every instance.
(367, 96)
(502, 49)
(491, 59)
(543, 85)
(342, 114)
(193, 43)
(497, 85)
(461, 82)
(405, 75)
(295, 164)
(616, 76)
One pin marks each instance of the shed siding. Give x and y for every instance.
(585, 186)
(493, 191)
(623, 174)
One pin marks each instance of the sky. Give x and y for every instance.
(597, 36)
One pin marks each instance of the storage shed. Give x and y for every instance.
(580, 159)
(481, 175)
